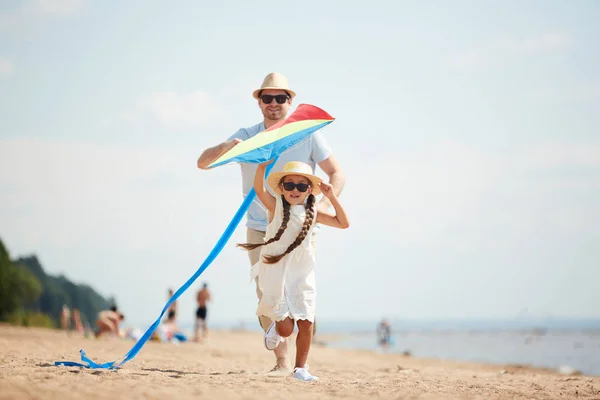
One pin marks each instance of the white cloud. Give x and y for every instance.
(6, 67)
(59, 8)
(509, 48)
(449, 186)
(177, 110)
(555, 155)
(545, 42)
(570, 94)
(430, 187)
(37, 9)
(98, 212)
(106, 213)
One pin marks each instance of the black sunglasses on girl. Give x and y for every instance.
(280, 98)
(289, 186)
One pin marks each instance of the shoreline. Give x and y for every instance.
(232, 365)
(573, 352)
(335, 340)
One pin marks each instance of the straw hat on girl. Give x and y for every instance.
(294, 168)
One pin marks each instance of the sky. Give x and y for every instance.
(469, 133)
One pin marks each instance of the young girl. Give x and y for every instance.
(286, 270)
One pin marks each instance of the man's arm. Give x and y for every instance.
(337, 179)
(211, 154)
(115, 320)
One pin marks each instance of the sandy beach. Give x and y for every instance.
(231, 365)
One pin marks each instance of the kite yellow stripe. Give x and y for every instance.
(266, 137)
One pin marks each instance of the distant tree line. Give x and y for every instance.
(29, 296)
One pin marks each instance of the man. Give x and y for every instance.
(108, 322)
(202, 298)
(77, 321)
(384, 334)
(172, 311)
(65, 317)
(274, 100)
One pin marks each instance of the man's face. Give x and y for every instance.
(273, 110)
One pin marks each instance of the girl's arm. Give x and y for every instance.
(339, 220)
(259, 187)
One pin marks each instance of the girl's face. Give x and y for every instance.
(295, 188)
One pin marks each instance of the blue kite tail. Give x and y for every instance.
(209, 259)
(84, 358)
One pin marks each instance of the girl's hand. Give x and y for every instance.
(327, 190)
(266, 163)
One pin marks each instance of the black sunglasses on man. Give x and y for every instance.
(268, 98)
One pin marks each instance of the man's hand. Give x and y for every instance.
(213, 153)
(232, 143)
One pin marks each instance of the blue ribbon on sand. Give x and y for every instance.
(211, 257)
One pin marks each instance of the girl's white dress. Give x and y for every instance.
(288, 286)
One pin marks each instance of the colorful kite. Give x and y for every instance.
(265, 146)
(305, 120)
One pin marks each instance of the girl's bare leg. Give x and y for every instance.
(303, 340)
(285, 328)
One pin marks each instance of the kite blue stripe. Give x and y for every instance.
(209, 259)
(266, 153)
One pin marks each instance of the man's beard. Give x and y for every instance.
(274, 115)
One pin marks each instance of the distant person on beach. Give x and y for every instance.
(108, 322)
(275, 101)
(77, 321)
(286, 268)
(172, 311)
(65, 317)
(384, 334)
(202, 298)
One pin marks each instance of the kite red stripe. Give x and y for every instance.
(302, 113)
